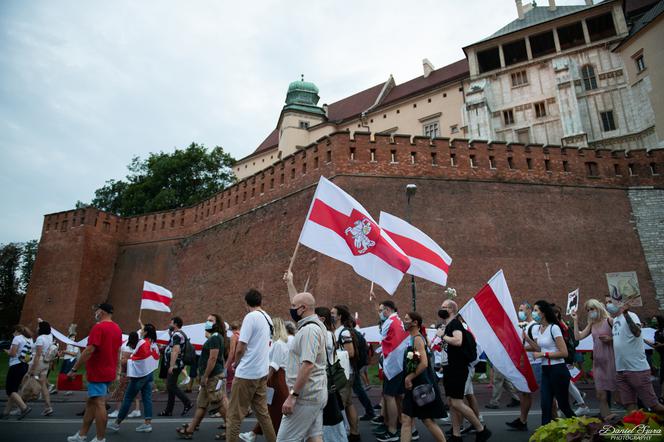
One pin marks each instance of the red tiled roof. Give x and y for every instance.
(447, 73)
(355, 104)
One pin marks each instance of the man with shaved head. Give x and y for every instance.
(305, 374)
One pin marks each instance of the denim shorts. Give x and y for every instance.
(98, 389)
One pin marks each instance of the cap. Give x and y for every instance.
(108, 308)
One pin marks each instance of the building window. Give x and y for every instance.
(519, 78)
(632, 171)
(616, 170)
(431, 129)
(352, 153)
(372, 152)
(508, 117)
(492, 162)
(592, 170)
(454, 128)
(571, 36)
(328, 156)
(640, 64)
(510, 162)
(473, 161)
(515, 52)
(304, 124)
(542, 44)
(488, 59)
(565, 166)
(547, 165)
(529, 163)
(523, 136)
(601, 27)
(434, 160)
(540, 109)
(393, 156)
(412, 158)
(589, 79)
(653, 169)
(453, 159)
(607, 121)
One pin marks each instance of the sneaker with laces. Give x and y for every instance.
(47, 412)
(445, 421)
(249, 436)
(144, 428)
(388, 437)
(516, 424)
(483, 435)
(415, 435)
(77, 438)
(378, 420)
(380, 429)
(114, 414)
(113, 426)
(135, 413)
(583, 410)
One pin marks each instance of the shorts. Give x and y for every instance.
(394, 386)
(14, 377)
(98, 389)
(537, 371)
(636, 383)
(454, 381)
(468, 388)
(306, 422)
(346, 393)
(209, 394)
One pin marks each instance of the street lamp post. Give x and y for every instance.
(411, 189)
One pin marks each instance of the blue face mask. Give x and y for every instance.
(382, 316)
(209, 325)
(522, 316)
(537, 317)
(612, 308)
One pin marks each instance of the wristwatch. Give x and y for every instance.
(294, 393)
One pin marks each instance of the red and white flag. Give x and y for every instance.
(144, 360)
(492, 318)
(339, 227)
(156, 297)
(395, 341)
(427, 259)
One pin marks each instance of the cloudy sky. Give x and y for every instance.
(86, 85)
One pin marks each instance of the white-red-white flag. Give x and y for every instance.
(155, 297)
(427, 259)
(339, 227)
(492, 318)
(394, 342)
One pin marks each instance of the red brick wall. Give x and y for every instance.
(550, 230)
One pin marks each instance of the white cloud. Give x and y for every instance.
(84, 86)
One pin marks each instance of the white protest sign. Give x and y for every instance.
(572, 301)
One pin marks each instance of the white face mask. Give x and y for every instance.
(593, 315)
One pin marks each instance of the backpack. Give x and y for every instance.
(361, 358)
(188, 351)
(469, 346)
(570, 343)
(51, 353)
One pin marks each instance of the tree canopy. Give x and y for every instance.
(166, 181)
(16, 262)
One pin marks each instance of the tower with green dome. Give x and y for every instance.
(303, 96)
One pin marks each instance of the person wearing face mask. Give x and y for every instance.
(212, 393)
(604, 366)
(252, 361)
(548, 345)
(142, 362)
(633, 371)
(101, 359)
(174, 359)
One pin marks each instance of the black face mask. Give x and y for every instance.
(295, 315)
(171, 328)
(443, 314)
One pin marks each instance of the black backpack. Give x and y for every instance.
(362, 349)
(188, 351)
(570, 343)
(469, 346)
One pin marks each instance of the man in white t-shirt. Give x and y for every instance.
(251, 368)
(632, 369)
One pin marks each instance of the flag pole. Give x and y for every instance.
(290, 266)
(371, 292)
(306, 284)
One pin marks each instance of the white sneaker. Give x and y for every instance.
(135, 413)
(582, 411)
(15, 412)
(113, 414)
(185, 381)
(68, 393)
(144, 428)
(445, 421)
(249, 436)
(113, 426)
(98, 440)
(77, 438)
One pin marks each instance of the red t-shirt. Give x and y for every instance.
(106, 336)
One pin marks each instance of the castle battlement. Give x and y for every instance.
(397, 155)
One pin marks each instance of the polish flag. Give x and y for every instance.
(427, 259)
(156, 297)
(492, 318)
(144, 360)
(339, 227)
(393, 345)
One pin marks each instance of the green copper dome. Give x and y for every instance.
(303, 96)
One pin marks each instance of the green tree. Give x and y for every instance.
(28, 256)
(11, 296)
(167, 181)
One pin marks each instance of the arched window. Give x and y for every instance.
(589, 79)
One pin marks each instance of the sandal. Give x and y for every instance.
(220, 436)
(183, 433)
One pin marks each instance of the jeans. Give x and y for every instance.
(362, 395)
(174, 390)
(555, 383)
(136, 385)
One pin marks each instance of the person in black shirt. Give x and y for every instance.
(455, 374)
(173, 359)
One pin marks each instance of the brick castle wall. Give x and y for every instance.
(552, 218)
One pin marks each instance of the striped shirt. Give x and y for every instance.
(309, 345)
